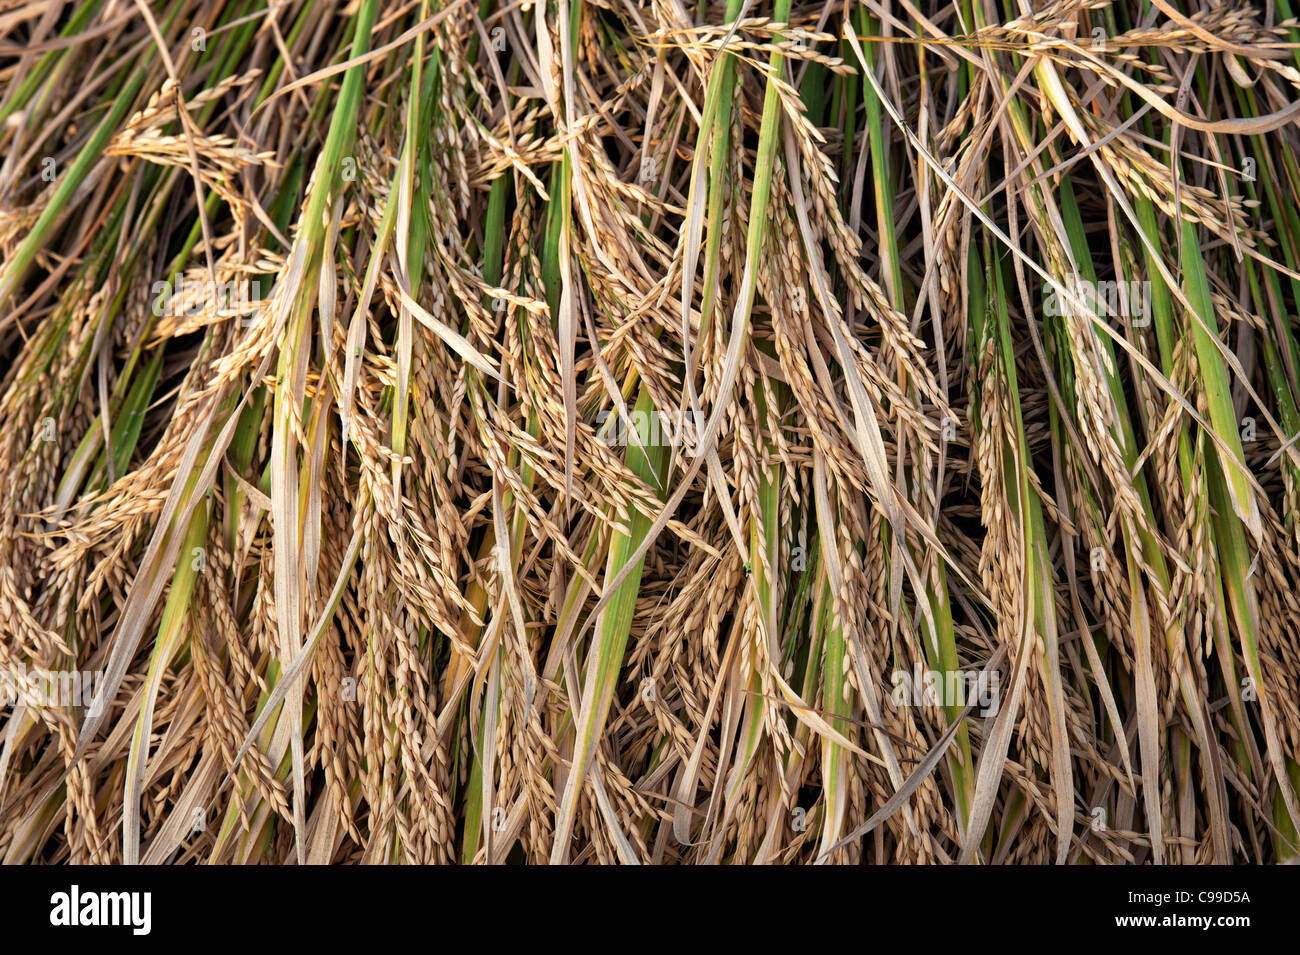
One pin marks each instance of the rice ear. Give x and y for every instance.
(758, 432)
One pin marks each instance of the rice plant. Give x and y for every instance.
(623, 431)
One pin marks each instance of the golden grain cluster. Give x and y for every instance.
(628, 431)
